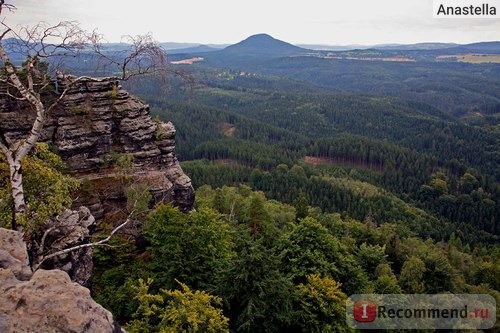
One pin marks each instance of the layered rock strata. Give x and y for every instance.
(97, 127)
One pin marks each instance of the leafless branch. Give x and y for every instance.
(13, 97)
(66, 38)
(102, 242)
(140, 56)
(45, 46)
(45, 234)
(6, 31)
(6, 5)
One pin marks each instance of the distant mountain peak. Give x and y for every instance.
(261, 36)
(264, 45)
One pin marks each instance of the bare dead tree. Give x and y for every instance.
(44, 44)
(27, 84)
(141, 56)
(3, 5)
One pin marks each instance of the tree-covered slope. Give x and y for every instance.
(244, 263)
(410, 149)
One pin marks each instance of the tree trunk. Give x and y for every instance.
(17, 192)
(17, 151)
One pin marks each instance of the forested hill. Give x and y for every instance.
(253, 50)
(317, 174)
(454, 87)
(422, 134)
(457, 79)
(237, 145)
(262, 45)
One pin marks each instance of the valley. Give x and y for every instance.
(292, 179)
(396, 125)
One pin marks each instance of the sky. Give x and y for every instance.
(328, 22)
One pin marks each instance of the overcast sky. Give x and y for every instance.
(228, 21)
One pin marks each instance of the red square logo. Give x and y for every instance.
(365, 311)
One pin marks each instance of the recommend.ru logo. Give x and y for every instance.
(364, 311)
(421, 311)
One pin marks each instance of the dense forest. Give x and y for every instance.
(316, 179)
(410, 152)
(258, 265)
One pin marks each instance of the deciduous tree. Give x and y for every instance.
(34, 84)
(177, 311)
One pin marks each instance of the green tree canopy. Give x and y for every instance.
(46, 184)
(192, 247)
(322, 306)
(173, 311)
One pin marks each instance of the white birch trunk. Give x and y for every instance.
(15, 152)
(17, 193)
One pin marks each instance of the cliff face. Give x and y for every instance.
(108, 140)
(44, 301)
(95, 129)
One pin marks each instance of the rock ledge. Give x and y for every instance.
(46, 301)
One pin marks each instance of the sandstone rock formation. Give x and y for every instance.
(13, 255)
(68, 229)
(46, 301)
(107, 139)
(97, 124)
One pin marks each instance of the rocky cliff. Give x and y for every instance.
(46, 301)
(95, 129)
(108, 140)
